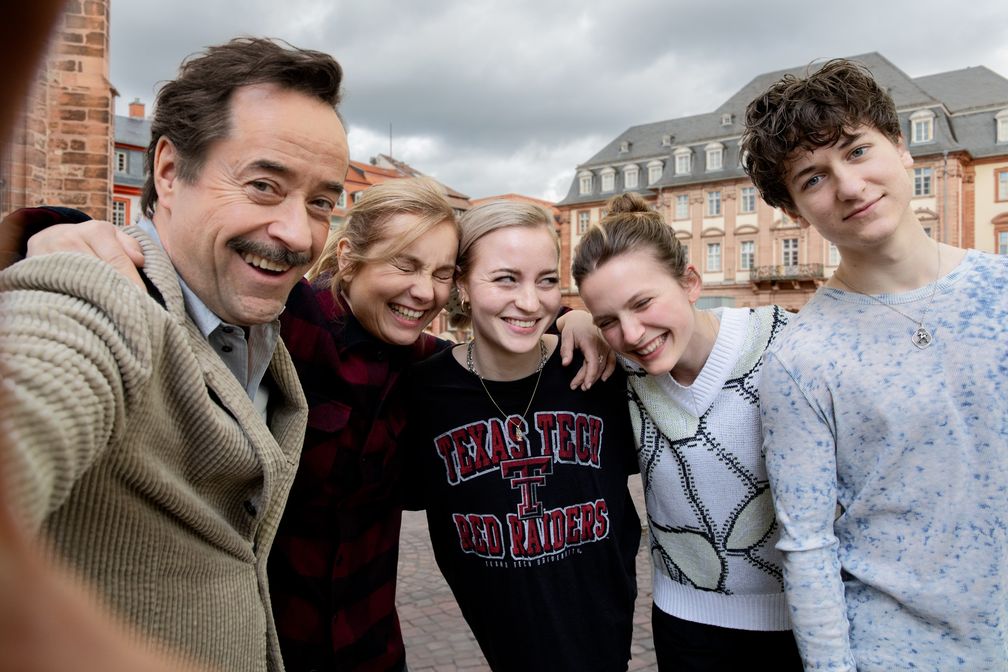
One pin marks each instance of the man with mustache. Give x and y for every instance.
(154, 434)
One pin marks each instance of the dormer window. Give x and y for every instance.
(683, 161)
(1002, 125)
(584, 182)
(631, 176)
(608, 179)
(715, 156)
(654, 171)
(624, 147)
(666, 140)
(726, 119)
(922, 126)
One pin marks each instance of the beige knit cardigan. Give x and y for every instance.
(140, 457)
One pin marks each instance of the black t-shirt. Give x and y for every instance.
(537, 537)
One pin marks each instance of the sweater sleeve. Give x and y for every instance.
(801, 465)
(76, 350)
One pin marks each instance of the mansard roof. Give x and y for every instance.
(963, 103)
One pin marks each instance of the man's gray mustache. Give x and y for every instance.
(279, 255)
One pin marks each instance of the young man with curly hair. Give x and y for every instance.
(885, 413)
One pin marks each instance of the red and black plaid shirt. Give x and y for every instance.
(332, 569)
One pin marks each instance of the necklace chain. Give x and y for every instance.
(508, 419)
(922, 336)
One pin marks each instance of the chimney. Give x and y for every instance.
(136, 109)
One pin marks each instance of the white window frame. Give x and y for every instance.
(747, 255)
(713, 261)
(1002, 242)
(726, 119)
(682, 206)
(683, 161)
(583, 221)
(833, 255)
(608, 179)
(654, 171)
(922, 127)
(715, 156)
(119, 212)
(747, 199)
(624, 146)
(341, 201)
(1001, 130)
(714, 203)
(789, 251)
(631, 176)
(121, 160)
(584, 182)
(1001, 186)
(922, 180)
(666, 140)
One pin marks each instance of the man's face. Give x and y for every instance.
(248, 228)
(855, 193)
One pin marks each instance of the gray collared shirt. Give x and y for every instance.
(247, 355)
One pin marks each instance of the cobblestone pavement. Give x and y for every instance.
(437, 639)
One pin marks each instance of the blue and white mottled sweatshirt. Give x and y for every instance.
(889, 469)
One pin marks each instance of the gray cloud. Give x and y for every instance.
(494, 97)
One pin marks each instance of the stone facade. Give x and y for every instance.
(61, 148)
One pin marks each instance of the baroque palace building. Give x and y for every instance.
(749, 254)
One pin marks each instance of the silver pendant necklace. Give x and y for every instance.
(922, 336)
(508, 419)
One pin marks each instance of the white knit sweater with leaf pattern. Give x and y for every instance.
(708, 501)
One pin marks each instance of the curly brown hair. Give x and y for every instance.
(807, 113)
(193, 110)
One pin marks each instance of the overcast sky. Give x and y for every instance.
(492, 97)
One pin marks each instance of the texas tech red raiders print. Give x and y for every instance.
(530, 517)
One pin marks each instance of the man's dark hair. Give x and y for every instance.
(808, 113)
(194, 110)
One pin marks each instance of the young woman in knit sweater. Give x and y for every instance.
(692, 383)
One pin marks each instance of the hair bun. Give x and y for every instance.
(628, 202)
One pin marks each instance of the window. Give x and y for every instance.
(833, 258)
(1002, 242)
(682, 206)
(683, 161)
(922, 126)
(608, 179)
(666, 140)
(747, 255)
(654, 171)
(630, 177)
(582, 223)
(726, 119)
(121, 161)
(713, 203)
(789, 252)
(713, 257)
(686, 250)
(922, 181)
(715, 156)
(341, 201)
(1001, 119)
(624, 146)
(119, 213)
(747, 199)
(1002, 184)
(357, 195)
(584, 183)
